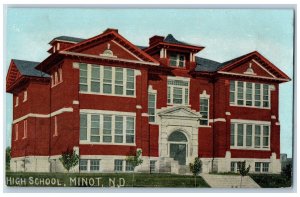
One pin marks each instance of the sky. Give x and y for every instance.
(225, 34)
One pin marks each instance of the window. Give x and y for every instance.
(232, 92)
(99, 79)
(233, 167)
(261, 167)
(118, 165)
(98, 128)
(178, 92)
(265, 167)
(25, 96)
(249, 135)
(83, 126)
(95, 128)
(94, 165)
(107, 132)
(240, 134)
(129, 130)
(232, 135)
(16, 132)
(83, 165)
(257, 98)
(107, 80)
(257, 166)
(249, 94)
(25, 129)
(255, 136)
(129, 167)
(265, 95)
(130, 82)
(17, 101)
(151, 106)
(89, 165)
(152, 166)
(119, 81)
(83, 79)
(204, 110)
(240, 93)
(177, 60)
(265, 136)
(119, 129)
(95, 79)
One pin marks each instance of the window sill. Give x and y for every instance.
(54, 85)
(103, 94)
(153, 123)
(235, 105)
(244, 148)
(205, 126)
(98, 143)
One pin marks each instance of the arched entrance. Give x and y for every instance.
(178, 147)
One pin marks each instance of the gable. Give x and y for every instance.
(22, 69)
(13, 75)
(179, 111)
(253, 65)
(116, 50)
(110, 40)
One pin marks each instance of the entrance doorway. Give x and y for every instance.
(178, 147)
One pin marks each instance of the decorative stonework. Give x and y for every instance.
(249, 70)
(108, 52)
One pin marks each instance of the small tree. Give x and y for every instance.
(69, 159)
(7, 157)
(195, 168)
(243, 171)
(135, 160)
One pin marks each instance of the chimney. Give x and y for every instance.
(155, 39)
(110, 29)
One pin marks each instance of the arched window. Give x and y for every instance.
(177, 136)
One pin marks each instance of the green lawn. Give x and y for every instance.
(271, 180)
(101, 180)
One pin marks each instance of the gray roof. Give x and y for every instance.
(68, 39)
(27, 68)
(170, 39)
(207, 65)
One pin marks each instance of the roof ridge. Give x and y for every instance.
(25, 61)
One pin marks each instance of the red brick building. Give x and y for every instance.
(105, 97)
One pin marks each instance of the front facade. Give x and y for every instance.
(105, 98)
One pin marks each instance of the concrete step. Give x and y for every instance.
(229, 181)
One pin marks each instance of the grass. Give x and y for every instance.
(271, 180)
(102, 180)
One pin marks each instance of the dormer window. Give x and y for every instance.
(177, 60)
